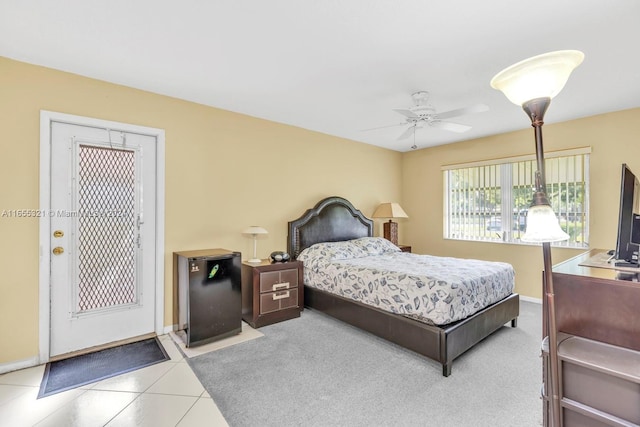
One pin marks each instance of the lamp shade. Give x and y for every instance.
(254, 229)
(541, 76)
(543, 226)
(390, 210)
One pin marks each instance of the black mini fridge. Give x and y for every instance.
(209, 294)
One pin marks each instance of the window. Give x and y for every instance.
(488, 201)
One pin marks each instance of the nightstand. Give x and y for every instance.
(405, 248)
(271, 292)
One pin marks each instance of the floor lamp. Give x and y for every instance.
(531, 84)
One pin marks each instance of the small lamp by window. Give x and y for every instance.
(390, 210)
(254, 231)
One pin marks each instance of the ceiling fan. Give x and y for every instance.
(424, 114)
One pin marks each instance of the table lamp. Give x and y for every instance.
(253, 231)
(391, 211)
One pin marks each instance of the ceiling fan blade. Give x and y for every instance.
(453, 127)
(407, 113)
(478, 108)
(407, 133)
(383, 127)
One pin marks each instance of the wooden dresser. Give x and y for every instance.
(271, 292)
(598, 317)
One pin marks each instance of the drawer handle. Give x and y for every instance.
(277, 286)
(281, 296)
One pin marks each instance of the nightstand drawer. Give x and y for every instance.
(274, 301)
(271, 281)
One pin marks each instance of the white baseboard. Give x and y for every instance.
(531, 299)
(19, 364)
(170, 328)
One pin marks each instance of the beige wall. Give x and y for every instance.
(224, 172)
(267, 174)
(614, 139)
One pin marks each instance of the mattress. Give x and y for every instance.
(436, 290)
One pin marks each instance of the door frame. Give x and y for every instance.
(44, 312)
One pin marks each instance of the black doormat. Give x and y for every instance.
(88, 368)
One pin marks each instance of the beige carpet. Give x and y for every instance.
(317, 371)
(247, 334)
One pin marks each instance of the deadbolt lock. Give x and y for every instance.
(58, 250)
(58, 233)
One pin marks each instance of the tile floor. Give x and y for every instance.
(165, 394)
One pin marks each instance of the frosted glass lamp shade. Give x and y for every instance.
(254, 229)
(541, 76)
(543, 226)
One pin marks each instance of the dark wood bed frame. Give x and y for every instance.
(335, 219)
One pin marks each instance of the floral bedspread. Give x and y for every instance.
(437, 290)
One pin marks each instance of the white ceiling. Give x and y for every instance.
(337, 66)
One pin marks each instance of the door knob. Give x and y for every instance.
(58, 250)
(58, 233)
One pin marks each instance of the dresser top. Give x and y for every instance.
(594, 264)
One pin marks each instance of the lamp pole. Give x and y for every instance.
(255, 246)
(536, 109)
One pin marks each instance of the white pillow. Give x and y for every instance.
(375, 245)
(332, 251)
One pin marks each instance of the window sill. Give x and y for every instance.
(520, 243)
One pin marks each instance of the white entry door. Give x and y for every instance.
(103, 231)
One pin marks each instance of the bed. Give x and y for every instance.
(335, 219)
